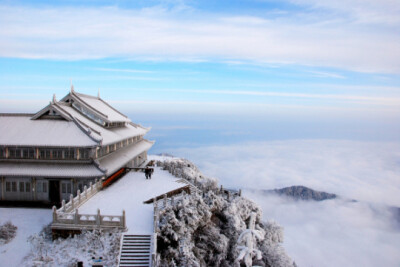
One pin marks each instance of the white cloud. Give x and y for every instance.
(392, 101)
(82, 33)
(354, 170)
(328, 233)
(335, 232)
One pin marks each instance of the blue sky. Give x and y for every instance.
(332, 63)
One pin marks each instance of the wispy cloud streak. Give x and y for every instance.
(159, 34)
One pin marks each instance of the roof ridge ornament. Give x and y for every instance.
(54, 99)
(72, 87)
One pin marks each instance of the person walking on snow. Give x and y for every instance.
(147, 172)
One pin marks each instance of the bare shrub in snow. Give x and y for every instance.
(7, 232)
(67, 252)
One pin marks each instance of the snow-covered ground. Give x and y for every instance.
(28, 221)
(128, 194)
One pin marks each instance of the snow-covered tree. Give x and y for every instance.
(248, 237)
(203, 229)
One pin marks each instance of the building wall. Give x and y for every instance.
(38, 189)
(18, 189)
(41, 189)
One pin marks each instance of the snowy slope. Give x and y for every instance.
(128, 194)
(28, 221)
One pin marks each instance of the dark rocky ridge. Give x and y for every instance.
(299, 192)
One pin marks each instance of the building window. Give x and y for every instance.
(69, 153)
(45, 153)
(83, 153)
(57, 153)
(28, 153)
(2, 153)
(14, 186)
(66, 188)
(27, 187)
(21, 187)
(14, 153)
(8, 186)
(41, 187)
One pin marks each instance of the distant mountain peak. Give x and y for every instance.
(300, 192)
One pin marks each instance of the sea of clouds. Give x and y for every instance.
(337, 232)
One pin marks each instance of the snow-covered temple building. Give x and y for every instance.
(47, 156)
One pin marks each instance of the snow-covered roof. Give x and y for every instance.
(107, 135)
(20, 130)
(41, 169)
(119, 158)
(100, 106)
(61, 125)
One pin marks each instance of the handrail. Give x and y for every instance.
(80, 221)
(80, 198)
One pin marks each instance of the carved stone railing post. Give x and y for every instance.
(54, 214)
(63, 205)
(165, 200)
(91, 188)
(76, 217)
(79, 196)
(99, 184)
(98, 219)
(85, 191)
(123, 219)
(222, 189)
(240, 192)
(71, 200)
(172, 200)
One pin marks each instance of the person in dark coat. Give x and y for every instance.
(147, 172)
(151, 170)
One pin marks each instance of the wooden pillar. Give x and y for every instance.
(77, 154)
(6, 153)
(37, 153)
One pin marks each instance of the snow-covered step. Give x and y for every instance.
(135, 251)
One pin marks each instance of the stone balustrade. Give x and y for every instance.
(76, 221)
(81, 197)
(68, 218)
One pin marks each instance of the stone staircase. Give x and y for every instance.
(135, 251)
